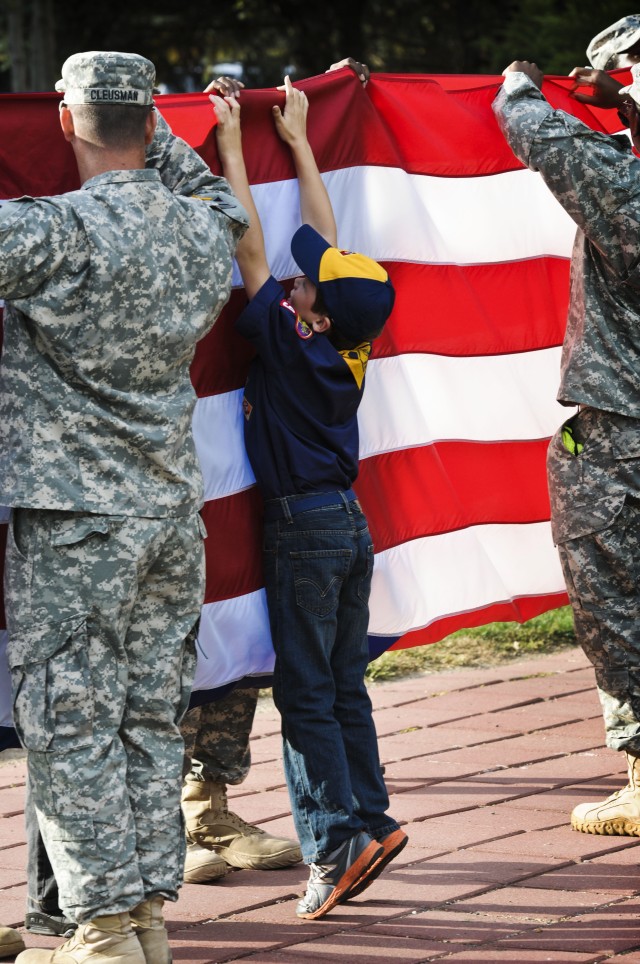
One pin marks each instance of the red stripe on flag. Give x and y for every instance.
(528, 314)
(480, 309)
(222, 357)
(409, 494)
(448, 486)
(518, 609)
(233, 547)
(438, 125)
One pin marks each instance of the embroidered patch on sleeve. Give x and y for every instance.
(303, 330)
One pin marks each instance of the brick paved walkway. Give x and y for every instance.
(483, 767)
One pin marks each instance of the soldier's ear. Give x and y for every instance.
(66, 122)
(150, 125)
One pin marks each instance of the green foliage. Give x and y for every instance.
(484, 646)
(554, 624)
(5, 61)
(408, 36)
(554, 34)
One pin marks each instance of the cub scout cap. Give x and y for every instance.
(633, 90)
(617, 38)
(356, 290)
(107, 77)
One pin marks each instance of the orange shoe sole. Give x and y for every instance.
(391, 845)
(353, 875)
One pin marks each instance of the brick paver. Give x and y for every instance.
(483, 767)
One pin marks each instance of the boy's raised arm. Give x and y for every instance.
(291, 125)
(315, 205)
(250, 254)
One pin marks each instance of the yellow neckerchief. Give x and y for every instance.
(356, 359)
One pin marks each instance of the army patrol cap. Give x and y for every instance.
(107, 77)
(617, 38)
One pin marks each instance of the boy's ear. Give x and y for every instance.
(321, 324)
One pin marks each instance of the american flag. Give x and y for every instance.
(460, 390)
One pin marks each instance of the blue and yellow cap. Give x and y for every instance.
(356, 290)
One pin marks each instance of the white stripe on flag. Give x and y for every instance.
(414, 584)
(410, 400)
(218, 433)
(477, 220)
(417, 399)
(234, 641)
(420, 581)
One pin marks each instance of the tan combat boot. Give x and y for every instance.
(212, 825)
(109, 939)
(10, 942)
(148, 925)
(201, 865)
(619, 813)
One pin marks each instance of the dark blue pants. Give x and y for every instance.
(318, 569)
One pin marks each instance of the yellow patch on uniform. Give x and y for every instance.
(356, 359)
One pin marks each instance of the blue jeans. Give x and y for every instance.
(318, 569)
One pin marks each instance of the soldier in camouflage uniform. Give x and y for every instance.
(614, 47)
(218, 753)
(108, 289)
(594, 459)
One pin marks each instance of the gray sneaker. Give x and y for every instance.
(38, 923)
(331, 881)
(391, 845)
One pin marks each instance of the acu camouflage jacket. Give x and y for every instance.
(596, 178)
(107, 291)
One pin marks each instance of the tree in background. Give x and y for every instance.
(555, 35)
(302, 36)
(27, 43)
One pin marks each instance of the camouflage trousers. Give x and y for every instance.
(102, 617)
(216, 736)
(595, 516)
